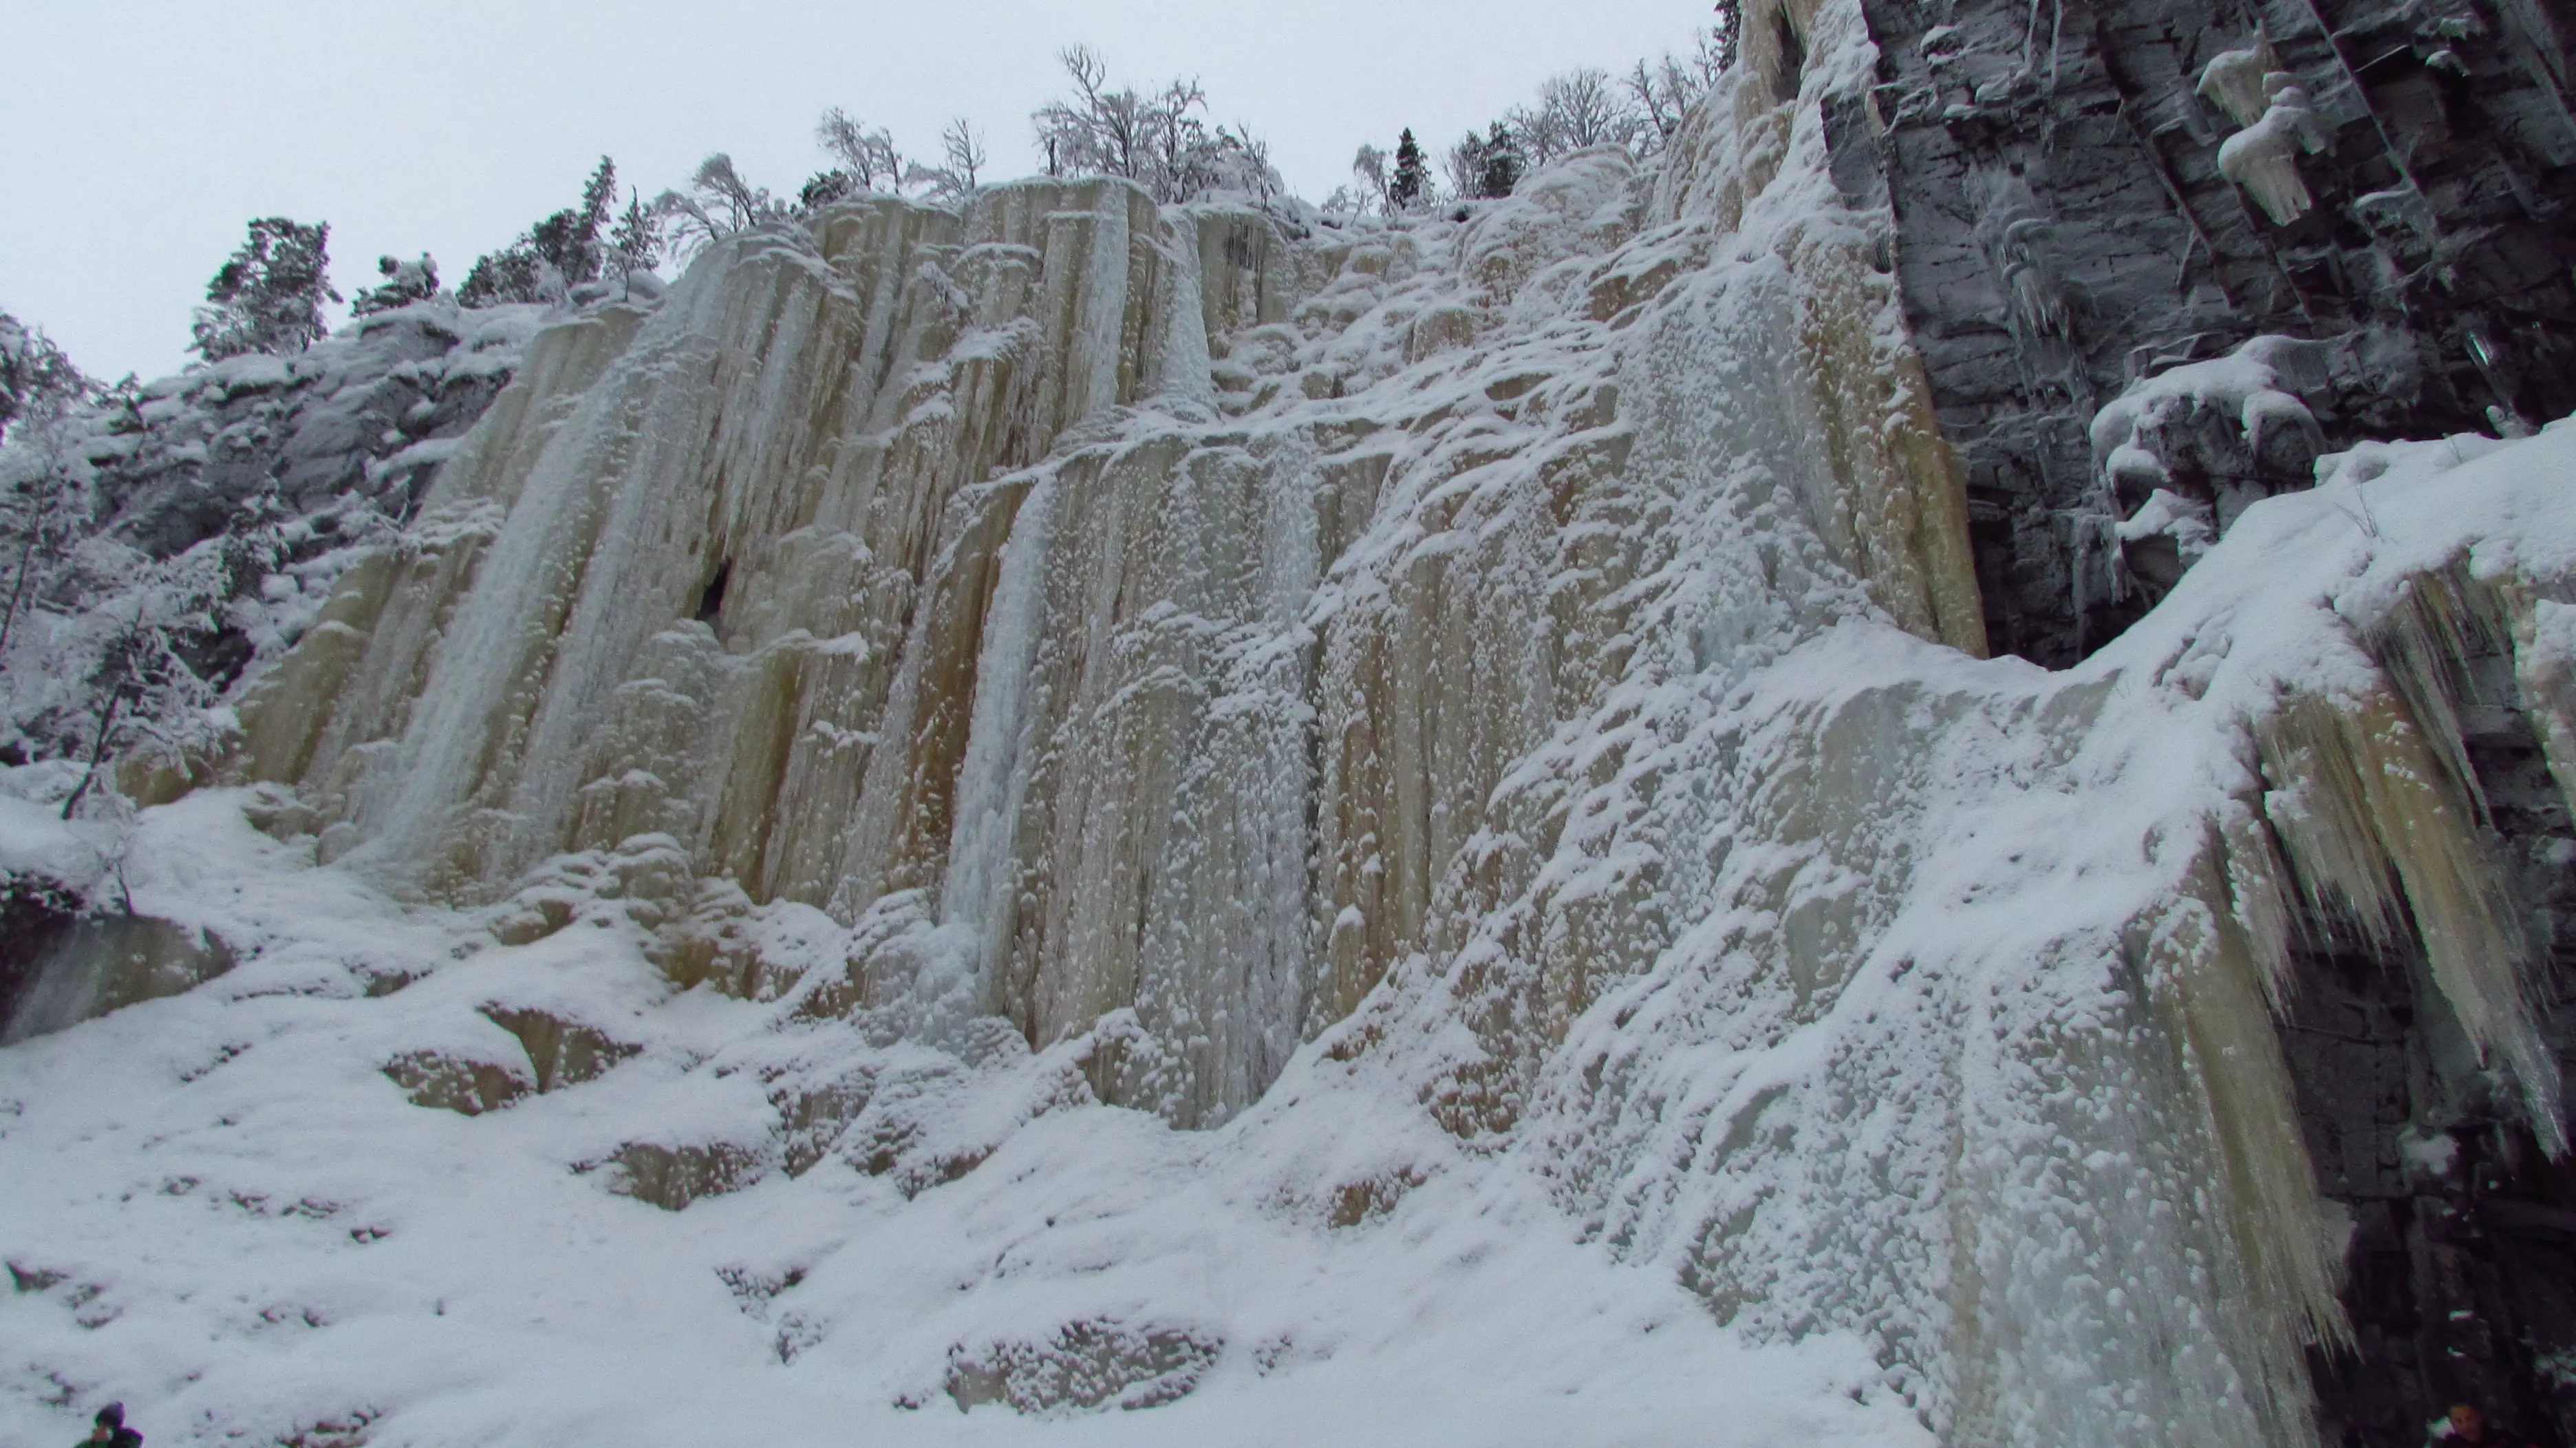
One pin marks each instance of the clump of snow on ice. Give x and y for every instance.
(2276, 123)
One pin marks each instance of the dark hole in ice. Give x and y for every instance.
(711, 601)
(1793, 56)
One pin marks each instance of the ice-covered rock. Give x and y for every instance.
(2183, 452)
(1482, 719)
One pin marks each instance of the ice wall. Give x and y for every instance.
(1146, 604)
(1535, 656)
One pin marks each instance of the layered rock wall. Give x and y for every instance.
(2072, 222)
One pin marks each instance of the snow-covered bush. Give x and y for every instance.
(405, 282)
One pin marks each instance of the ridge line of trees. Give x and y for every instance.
(1640, 110)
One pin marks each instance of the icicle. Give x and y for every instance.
(2212, 975)
(2262, 162)
(2544, 660)
(982, 887)
(2377, 832)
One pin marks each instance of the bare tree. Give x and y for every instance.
(719, 203)
(1368, 168)
(867, 157)
(1161, 141)
(1577, 109)
(1662, 91)
(963, 151)
(1096, 129)
(963, 148)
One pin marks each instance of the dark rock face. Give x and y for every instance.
(258, 437)
(2065, 229)
(2462, 1261)
(266, 464)
(35, 914)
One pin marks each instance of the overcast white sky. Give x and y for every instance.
(141, 134)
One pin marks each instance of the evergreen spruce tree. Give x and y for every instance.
(825, 187)
(1502, 162)
(34, 373)
(1407, 188)
(268, 297)
(636, 243)
(598, 210)
(570, 245)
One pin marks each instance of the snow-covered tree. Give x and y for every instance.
(563, 250)
(47, 503)
(268, 297)
(1160, 141)
(635, 244)
(405, 282)
(1410, 186)
(34, 373)
(144, 689)
(1490, 165)
(144, 647)
(1368, 170)
(718, 203)
(867, 157)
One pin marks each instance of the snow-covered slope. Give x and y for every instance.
(730, 926)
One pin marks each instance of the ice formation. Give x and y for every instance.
(2182, 453)
(1484, 720)
(2271, 109)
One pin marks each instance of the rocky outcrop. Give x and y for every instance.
(36, 912)
(368, 415)
(1086, 1366)
(86, 965)
(2089, 192)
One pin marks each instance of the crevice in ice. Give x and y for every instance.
(711, 598)
(1789, 52)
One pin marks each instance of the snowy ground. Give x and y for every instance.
(218, 1208)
